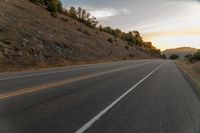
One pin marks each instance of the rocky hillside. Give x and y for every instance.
(30, 37)
(181, 52)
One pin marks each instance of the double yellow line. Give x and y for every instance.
(50, 85)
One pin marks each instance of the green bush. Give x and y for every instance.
(164, 56)
(127, 47)
(188, 56)
(52, 5)
(82, 16)
(132, 38)
(195, 56)
(110, 40)
(59, 6)
(86, 32)
(174, 57)
(39, 2)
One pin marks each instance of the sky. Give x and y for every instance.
(166, 23)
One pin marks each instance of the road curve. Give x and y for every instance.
(144, 96)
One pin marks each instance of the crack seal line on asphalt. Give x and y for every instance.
(104, 111)
(42, 87)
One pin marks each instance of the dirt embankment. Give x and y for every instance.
(30, 37)
(192, 70)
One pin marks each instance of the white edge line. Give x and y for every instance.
(99, 115)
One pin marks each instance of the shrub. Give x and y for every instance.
(82, 16)
(100, 28)
(130, 44)
(59, 6)
(174, 57)
(133, 38)
(124, 58)
(195, 56)
(96, 32)
(86, 32)
(39, 2)
(52, 5)
(54, 14)
(127, 47)
(187, 56)
(79, 29)
(131, 55)
(110, 40)
(164, 56)
(65, 19)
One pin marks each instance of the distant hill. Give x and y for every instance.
(182, 51)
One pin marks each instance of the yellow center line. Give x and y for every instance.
(49, 85)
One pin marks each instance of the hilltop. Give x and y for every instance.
(31, 37)
(182, 51)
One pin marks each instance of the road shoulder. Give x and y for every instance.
(191, 75)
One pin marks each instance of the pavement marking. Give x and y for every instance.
(104, 111)
(42, 87)
(46, 73)
(75, 68)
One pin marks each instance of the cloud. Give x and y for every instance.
(104, 12)
(108, 12)
(125, 11)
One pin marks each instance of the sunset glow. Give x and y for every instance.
(166, 42)
(170, 24)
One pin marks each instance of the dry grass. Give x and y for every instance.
(192, 69)
(31, 38)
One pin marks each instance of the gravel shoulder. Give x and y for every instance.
(191, 72)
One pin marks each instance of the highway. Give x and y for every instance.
(142, 96)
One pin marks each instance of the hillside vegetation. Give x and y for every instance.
(193, 57)
(181, 52)
(132, 37)
(52, 5)
(40, 33)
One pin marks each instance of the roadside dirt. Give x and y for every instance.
(192, 69)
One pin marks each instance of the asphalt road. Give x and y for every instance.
(144, 96)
